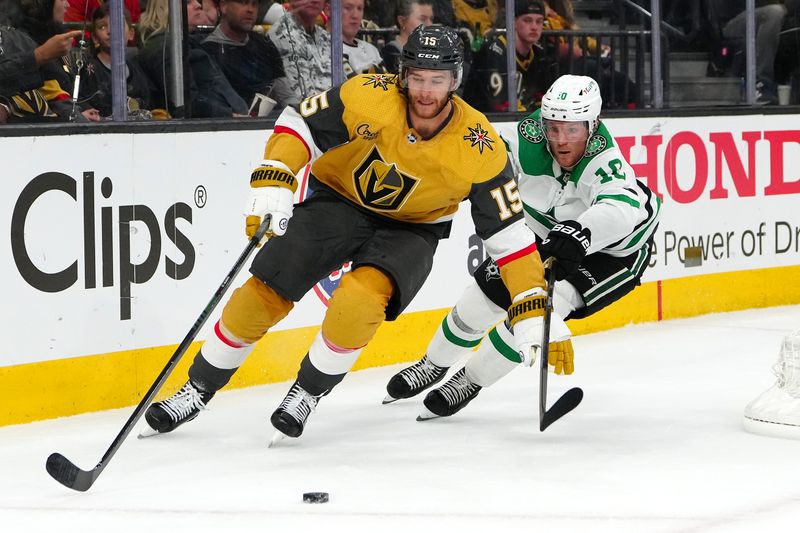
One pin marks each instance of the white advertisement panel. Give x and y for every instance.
(121, 247)
(117, 241)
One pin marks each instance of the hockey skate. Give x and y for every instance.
(451, 397)
(291, 416)
(413, 380)
(776, 411)
(181, 407)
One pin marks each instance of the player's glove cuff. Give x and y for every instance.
(529, 304)
(273, 174)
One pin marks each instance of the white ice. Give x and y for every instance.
(656, 445)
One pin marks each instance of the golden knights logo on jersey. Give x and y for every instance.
(380, 80)
(479, 137)
(381, 185)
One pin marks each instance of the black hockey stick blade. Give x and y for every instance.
(568, 401)
(65, 472)
(69, 475)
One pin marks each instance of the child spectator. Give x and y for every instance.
(96, 82)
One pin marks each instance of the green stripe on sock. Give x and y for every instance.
(505, 350)
(458, 341)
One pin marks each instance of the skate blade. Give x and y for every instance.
(389, 399)
(147, 431)
(276, 438)
(426, 415)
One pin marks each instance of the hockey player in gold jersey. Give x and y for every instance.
(391, 159)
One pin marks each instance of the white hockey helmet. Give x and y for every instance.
(573, 99)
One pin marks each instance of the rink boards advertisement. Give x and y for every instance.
(116, 242)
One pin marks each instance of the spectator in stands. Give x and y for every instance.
(486, 88)
(96, 80)
(358, 56)
(249, 60)
(210, 91)
(269, 11)
(20, 75)
(20, 57)
(561, 16)
(82, 10)
(210, 12)
(769, 20)
(305, 47)
(787, 64)
(41, 20)
(381, 12)
(477, 16)
(410, 14)
(444, 13)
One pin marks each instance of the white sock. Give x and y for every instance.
(463, 327)
(225, 351)
(331, 359)
(489, 364)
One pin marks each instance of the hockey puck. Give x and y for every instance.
(315, 497)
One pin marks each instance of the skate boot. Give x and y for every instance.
(290, 417)
(451, 397)
(413, 380)
(181, 407)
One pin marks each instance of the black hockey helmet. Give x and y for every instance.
(433, 48)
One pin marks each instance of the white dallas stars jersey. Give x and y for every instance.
(601, 192)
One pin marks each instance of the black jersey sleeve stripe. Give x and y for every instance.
(325, 121)
(488, 216)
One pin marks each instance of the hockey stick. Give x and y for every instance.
(69, 475)
(570, 399)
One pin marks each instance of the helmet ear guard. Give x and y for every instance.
(433, 48)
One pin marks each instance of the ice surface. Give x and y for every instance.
(656, 445)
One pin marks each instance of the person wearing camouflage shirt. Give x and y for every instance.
(305, 48)
(589, 212)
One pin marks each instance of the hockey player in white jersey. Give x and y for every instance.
(588, 211)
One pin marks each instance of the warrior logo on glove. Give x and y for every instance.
(271, 193)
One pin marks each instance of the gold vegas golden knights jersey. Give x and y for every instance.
(360, 145)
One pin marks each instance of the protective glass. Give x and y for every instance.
(430, 80)
(560, 131)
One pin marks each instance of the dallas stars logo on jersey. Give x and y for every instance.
(381, 185)
(596, 145)
(380, 80)
(531, 130)
(479, 137)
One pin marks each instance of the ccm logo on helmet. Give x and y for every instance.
(429, 56)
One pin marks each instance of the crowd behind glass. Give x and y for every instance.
(249, 58)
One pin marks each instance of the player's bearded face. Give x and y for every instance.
(567, 140)
(428, 91)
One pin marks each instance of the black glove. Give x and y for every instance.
(567, 242)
